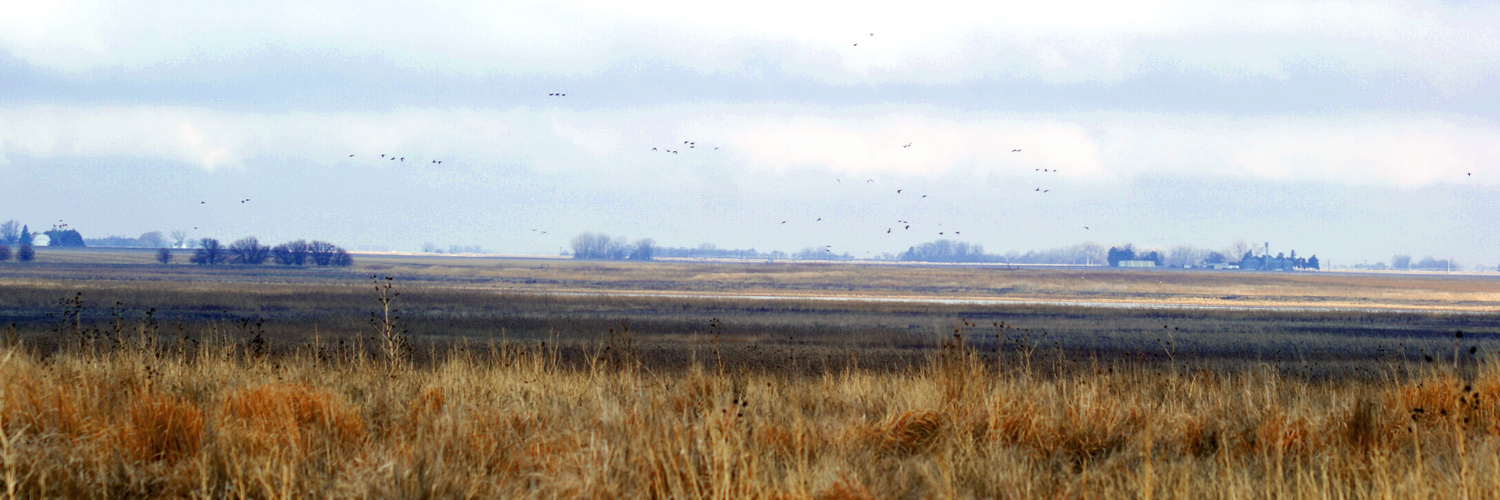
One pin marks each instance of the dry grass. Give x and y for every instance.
(507, 420)
(1393, 290)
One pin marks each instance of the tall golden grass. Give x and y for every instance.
(510, 420)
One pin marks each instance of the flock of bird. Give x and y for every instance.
(677, 149)
(904, 224)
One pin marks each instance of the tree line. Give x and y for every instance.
(947, 251)
(248, 251)
(711, 251)
(600, 246)
(208, 251)
(1428, 263)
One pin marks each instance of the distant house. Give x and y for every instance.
(1136, 263)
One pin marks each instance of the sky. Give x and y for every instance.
(1350, 130)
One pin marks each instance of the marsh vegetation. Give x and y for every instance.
(530, 378)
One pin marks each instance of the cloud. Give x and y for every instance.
(1380, 149)
(939, 42)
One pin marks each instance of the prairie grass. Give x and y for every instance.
(1394, 290)
(511, 419)
(266, 383)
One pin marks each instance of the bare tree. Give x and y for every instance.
(1238, 249)
(249, 251)
(280, 254)
(164, 256)
(643, 249)
(10, 232)
(321, 252)
(291, 253)
(341, 259)
(591, 245)
(1184, 256)
(152, 239)
(179, 239)
(209, 253)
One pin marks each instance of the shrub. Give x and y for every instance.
(164, 256)
(26, 253)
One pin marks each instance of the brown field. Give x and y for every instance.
(122, 378)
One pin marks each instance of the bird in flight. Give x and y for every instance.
(820, 219)
(898, 191)
(382, 156)
(924, 196)
(783, 222)
(1015, 150)
(887, 230)
(653, 149)
(907, 145)
(351, 156)
(1085, 228)
(244, 200)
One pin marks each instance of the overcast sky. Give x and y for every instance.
(1351, 130)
